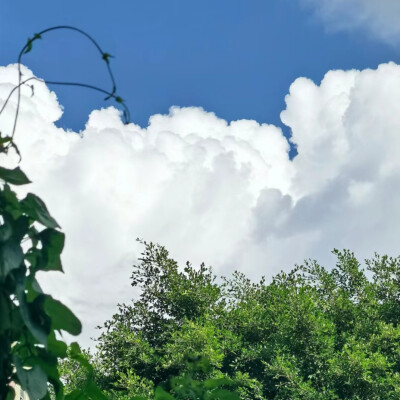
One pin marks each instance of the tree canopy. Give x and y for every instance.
(313, 333)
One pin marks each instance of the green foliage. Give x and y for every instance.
(312, 333)
(30, 320)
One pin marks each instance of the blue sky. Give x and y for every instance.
(236, 58)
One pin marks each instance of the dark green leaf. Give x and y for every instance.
(5, 231)
(33, 289)
(5, 312)
(20, 228)
(4, 139)
(56, 347)
(53, 244)
(32, 314)
(9, 202)
(37, 210)
(33, 381)
(15, 176)
(11, 257)
(119, 99)
(33, 235)
(62, 318)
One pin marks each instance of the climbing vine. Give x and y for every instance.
(31, 321)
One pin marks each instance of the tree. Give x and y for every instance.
(312, 333)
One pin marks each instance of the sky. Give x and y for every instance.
(263, 133)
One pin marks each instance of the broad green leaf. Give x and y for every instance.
(15, 176)
(11, 257)
(57, 347)
(62, 318)
(37, 210)
(32, 314)
(33, 381)
(53, 244)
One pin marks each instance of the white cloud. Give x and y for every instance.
(378, 17)
(223, 193)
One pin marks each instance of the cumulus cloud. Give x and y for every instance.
(213, 191)
(378, 17)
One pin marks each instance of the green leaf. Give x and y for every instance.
(33, 288)
(33, 235)
(11, 257)
(57, 347)
(10, 394)
(15, 176)
(9, 202)
(118, 99)
(32, 314)
(94, 392)
(5, 231)
(37, 210)
(53, 244)
(62, 318)
(33, 380)
(20, 228)
(4, 139)
(5, 312)
(76, 394)
(76, 354)
(161, 394)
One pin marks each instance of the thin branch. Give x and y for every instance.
(28, 46)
